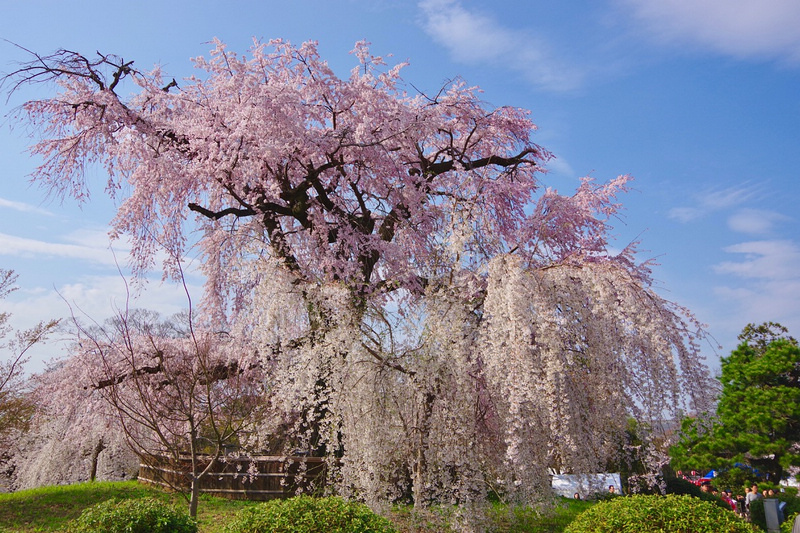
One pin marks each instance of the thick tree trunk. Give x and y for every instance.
(420, 463)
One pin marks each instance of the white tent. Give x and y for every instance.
(585, 484)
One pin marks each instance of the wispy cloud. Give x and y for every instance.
(739, 28)
(91, 247)
(685, 214)
(23, 207)
(561, 167)
(754, 303)
(714, 200)
(91, 298)
(772, 260)
(477, 38)
(766, 286)
(755, 221)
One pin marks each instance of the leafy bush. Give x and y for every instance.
(786, 526)
(145, 515)
(658, 514)
(758, 515)
(792, 504)
(305, 514)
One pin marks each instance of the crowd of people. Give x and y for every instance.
(740, 503)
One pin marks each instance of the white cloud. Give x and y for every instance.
(561, 167)
(92, 298)
(740, 28)
(100, 296)
(714, 200)
(23, 207)
(755, 221)
(685, 214)
(729, 197)
(772, 260)
(94, 250)
(476, 38)
(767, 286)
(775, 301)
(96, 238)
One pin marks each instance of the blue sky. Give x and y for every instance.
(699, 100)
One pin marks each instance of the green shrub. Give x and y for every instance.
(786, 526)
(304, 514)
(792, 504)
(758, 515)
(658, 514)
(144, 515)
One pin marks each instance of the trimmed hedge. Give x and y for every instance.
(144, 515)
(658, 514)
(305, 514)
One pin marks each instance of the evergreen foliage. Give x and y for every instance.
(758, 415)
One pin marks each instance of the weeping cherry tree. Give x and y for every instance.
(427, 312)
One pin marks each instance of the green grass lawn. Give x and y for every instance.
(51, 508)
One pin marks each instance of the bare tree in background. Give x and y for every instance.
(16, 407)
(178, 390)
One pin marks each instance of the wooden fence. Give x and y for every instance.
(240, 478)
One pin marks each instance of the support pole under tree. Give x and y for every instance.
(98, 448)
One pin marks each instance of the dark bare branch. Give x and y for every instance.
(66, 63)
(216, 215)
(434, 169)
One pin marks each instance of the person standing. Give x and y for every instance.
(741, 508)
